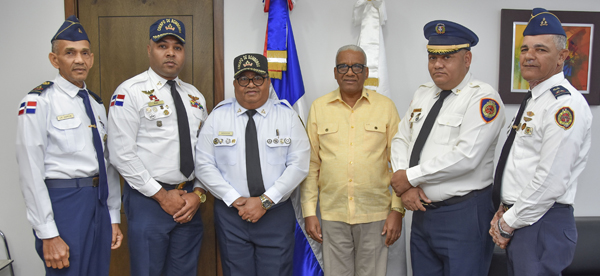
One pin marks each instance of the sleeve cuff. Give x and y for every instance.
(115, 216)
(198, 184)
(150, 188)
(397, 202)
(309, 210)
(511, 219)
(274, 195)
(46, 231)
(414, 176)
(231, 196)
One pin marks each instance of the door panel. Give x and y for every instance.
(119, 35)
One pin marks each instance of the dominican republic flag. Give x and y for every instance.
(117, 100)
(280, 50)
(286, 81)
(27, 108)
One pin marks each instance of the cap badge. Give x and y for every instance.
(79, 29)
(440, 28)
(247, 63)
(544, 22)
(170, 28)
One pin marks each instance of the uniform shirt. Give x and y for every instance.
(349, 161)
(54, 141)
(282, 144)
(144, 141)
(546, 157)
(458, 156)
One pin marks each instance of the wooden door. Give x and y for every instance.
(119, 32)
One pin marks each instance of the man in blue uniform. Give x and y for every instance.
(544, 154)
(71, 191)
(251, 154)
(155, 118)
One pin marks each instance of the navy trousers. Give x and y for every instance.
(84, 224)
(453, 240)
(545, 248)
(157, 244)
(262, 248)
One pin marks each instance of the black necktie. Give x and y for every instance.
(103, 183)
(253, 172)
(186, 160)
(415, 156)
(504, 155)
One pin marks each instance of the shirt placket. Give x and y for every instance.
(351, 162)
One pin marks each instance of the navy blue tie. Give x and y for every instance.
(103, 193)
(256, 186)
(415, 156)
(186, 159)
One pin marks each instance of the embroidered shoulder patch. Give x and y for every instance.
(489, 109)
(558, 91)
(565, 117)
(40, 88)
(117, 100)
(27, 107)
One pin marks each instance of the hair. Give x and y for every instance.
(55, 46)
(560, 41)
(351, 47)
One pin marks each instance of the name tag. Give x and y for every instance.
(225, 133)
(65, 117)
(155, 103)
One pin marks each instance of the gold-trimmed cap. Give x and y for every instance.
(543, 22)
(167, 26)
(447, 37)
(250, 62)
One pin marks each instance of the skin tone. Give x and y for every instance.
(351, 87)
(540, 59)
(166, 58)
(251, 97)
(447, 72)
(73, 59)
(350, 83)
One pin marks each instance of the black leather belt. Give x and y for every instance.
(454, 200)
(556, 205)
(91, 181)
(178, 186)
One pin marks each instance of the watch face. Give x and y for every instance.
(203, 198)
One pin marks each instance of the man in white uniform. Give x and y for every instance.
(155, 118)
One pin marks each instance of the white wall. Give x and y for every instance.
(320, 28)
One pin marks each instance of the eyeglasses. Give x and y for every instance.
(357, 68)
(257, 80)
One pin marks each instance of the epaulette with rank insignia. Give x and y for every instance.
(96, 97)
(558, 91)
(40, 88)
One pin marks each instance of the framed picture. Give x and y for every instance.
(582, 67)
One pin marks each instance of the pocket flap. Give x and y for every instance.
(377, 126)
(279, 142)
(67, 124)
(227, 141)
(327, 128)
(450, 120)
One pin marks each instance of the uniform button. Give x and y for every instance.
(351, 144)
(351, 198)
(351, 162)
(350, 180)
(352, 111)
(352, 127)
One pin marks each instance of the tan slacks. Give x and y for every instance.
(350, 250)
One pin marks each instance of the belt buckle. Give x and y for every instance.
(181, 185)
(95, 181)
(429, 205)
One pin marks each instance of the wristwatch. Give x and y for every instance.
(399, 210)
(200, 195)
(266, 203)
(503, 233)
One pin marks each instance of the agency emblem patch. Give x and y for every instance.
(565, 117)
(489, 109)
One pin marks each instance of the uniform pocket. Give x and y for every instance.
(226, 150)
(68, 135)
(448, 128)
(277, 149)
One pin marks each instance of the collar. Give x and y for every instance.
(263, 110)
(547, 84)
(466, 80)
(160, 81)
(67, 87)
(337, 95)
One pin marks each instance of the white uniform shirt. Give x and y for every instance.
(282, 143)
(458, 156)
(546, 158)
(54, 141)
(144, 140)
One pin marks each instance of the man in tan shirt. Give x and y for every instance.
(350, 131)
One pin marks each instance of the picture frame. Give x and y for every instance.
(582, 66)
